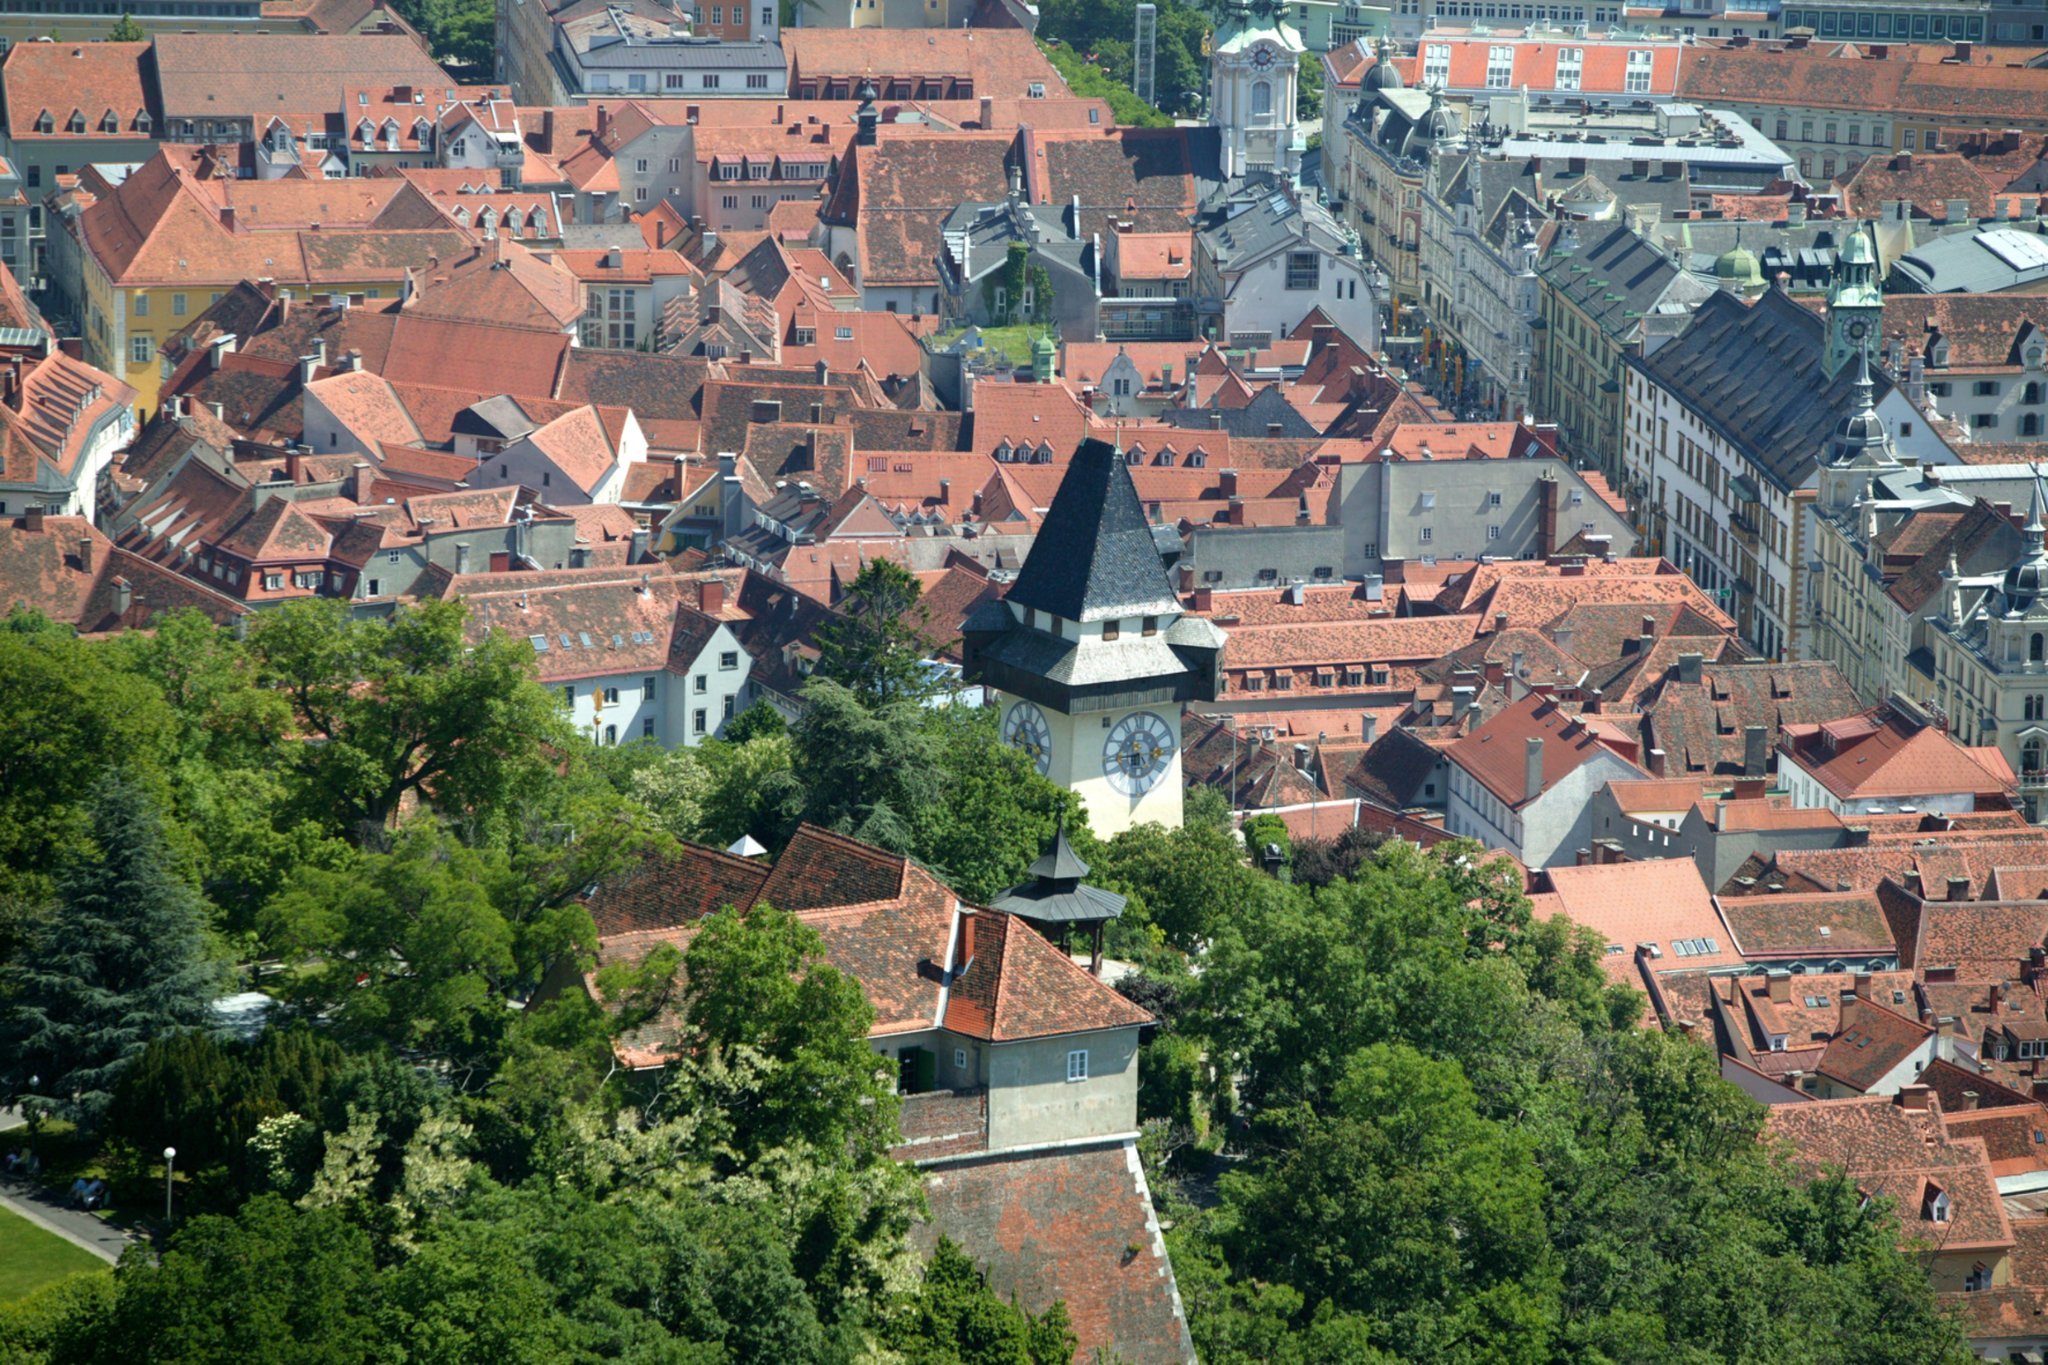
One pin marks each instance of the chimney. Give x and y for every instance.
(967, 917)
(1216, 419)
(988, 112)
(1754, 750)
(1958, 888)
(1997, 997)
(85, 553)
(639, 551)
(294, 465)
(711, 597)
(1500, 622)
(1689, 668)
(1368, 728)
(1914, 1096)
(1658, 762)
(1861, 985)
(359, 476)
(1781, 986)
(461, 556)
(1461, 702)
(1532, 768)
(124, 597)
(227, 216)
(823, 372)
(1226, 482)
(32, 519)
(1971, 1099)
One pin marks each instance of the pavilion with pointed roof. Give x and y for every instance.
(1056, 899)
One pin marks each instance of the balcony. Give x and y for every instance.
(1744, 524)
(2033, 779)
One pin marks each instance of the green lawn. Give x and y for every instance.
(1014, 342)
(31, 1258)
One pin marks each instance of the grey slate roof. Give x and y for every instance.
(1976, 262)
(690, 55)
(1754, 373)
(1094, 557)
(1056, 894)
(1618, 279)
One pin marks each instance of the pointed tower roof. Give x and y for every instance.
(1095, 557)
(1056, 894)
(1861, 440)
(2026, 582)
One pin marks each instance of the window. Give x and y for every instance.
(647, 728)
(611, 696)
(1500, 67)
(728, 708)
(710, 81)
(698, 719)
(1262, 98)
(729, 659)
(1637, 80)
(1493, 498)
(718, 14)
(177, 305)
(1570, 62)
(1426, 535)
(1112, 630)
(141, 349)
(611, 734)
(1303, 269)
(647, 689)
(1985, 388)
(757, 80)
(767, 17)
(569, 694)
(959, 1059)
(1077, 1065)
(1493, 533)
(1978, 1279)
(1436, 64)
(142, 305)
(702, 683)
(1150, 626)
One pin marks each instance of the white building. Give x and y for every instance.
(1525, 780)
(1266, 256)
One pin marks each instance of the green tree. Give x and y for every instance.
(388, 711)
(124, 960)
(126, 31)
(954, 1318)
(1189, 882)
(758, 980)
(876, 647)
(68, 717)
(405, 947)
(1404, 1203)
(271, 1283)
(759, 721)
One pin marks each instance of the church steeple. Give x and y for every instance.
(1254, 70)
(1855, 316)
(1861, 447)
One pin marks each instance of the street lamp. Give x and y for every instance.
(28, 1111)
(170, 1160)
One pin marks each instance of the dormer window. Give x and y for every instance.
(108, 123)
(1938, 354)
(76, 123)
(1935, 1205)
(44, 123)
(1112, 630)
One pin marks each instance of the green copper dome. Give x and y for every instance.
(1740, 265)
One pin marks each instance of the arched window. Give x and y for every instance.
(1262, 98)
(2032, 392)
(2034, 651)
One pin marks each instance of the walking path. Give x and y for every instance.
(51, 1210)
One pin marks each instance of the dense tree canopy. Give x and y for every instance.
(1421, 1123)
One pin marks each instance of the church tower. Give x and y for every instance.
(1254, 69)
(1089, 657)
(1860, 449)
(1855, 304)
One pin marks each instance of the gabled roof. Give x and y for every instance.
(1496, 753)
(1661, 904)
(1095, 556)
(1881, 756)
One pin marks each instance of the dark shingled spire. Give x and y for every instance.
(1095, 556)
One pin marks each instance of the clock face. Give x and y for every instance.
(1136, 752)
(1025, 727)
(1857, 329)
(1262, 57)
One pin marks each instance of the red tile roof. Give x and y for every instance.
(1898, 1153)
(1495, 753)
(1661, 903)
(1879, 755)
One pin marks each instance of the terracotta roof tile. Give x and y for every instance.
(1899, 1153)
(1661, 903)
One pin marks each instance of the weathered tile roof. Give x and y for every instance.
(221, 75)
(1075, 1226)
(1873, 1041)
(93, 80)
(1848, 924)
(1700, 726)
(1882, 756)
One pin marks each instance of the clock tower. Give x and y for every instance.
(1089, 657)
(1254, 67)
(1855, 304)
